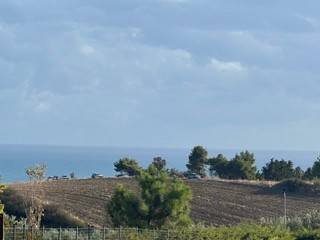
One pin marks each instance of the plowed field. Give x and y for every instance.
(214, 202)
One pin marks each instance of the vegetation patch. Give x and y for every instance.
(160, 201)
(57, 217)
(53, 215)
(13, 203)
(294, 185)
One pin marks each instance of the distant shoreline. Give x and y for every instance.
(83, 161)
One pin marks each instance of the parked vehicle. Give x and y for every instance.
(51, 178)
(194, 176)
(191, 175)
(96, 176)
(65, 178)
(122, 176)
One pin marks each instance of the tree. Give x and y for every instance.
(298, 173)
(242, 166)
(218, 166)
(278, 170)
(160, 201)
(2, 188)
(127, 166)
(198, 158)
(308, 174)
(34, 207)
(72, 175)
(36, 173)
(159, 163)
(315, 171)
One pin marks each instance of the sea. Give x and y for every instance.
(85, 160)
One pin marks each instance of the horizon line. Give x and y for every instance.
(150, 147)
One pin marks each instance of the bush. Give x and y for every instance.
(53, 215)
(13, 203)
(314, 235)
(12, 220)
(56, 217)
(294, 185)
(307, 222)
(241, 232)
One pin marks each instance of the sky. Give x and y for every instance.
(232, 74)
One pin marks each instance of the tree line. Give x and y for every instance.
(241, 166)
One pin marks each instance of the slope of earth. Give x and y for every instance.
(214, 202)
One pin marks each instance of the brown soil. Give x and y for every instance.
(214, 202)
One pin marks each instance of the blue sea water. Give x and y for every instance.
(83, 161)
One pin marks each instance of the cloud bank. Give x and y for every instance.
(226, 74)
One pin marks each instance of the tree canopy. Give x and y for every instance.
(315, 170)
(160, 201)
(127, 166)
(36, 173)
(159, 163)
(198, 158)
(242, 166)
(278, 170)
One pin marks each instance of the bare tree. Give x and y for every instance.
(33, 201)
(2, 187)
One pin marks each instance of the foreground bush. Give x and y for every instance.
(56, 217)
(242, 232)
(53, 215)
(308, 235)
(13, 203)
(306, 225)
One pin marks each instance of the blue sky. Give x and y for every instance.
(241, 74)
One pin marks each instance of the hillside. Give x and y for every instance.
(214, 202)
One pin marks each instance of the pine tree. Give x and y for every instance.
(160, 201)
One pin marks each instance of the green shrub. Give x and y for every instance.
(313, 235)
(307, 222)
(198, 232)
(241, 232)
(12, 220)
(294, 185)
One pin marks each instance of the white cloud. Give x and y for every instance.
(226, 66)
(39, 101)
(116, 69)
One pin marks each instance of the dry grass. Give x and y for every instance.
(214, 202)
